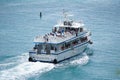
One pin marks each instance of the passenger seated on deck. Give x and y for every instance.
(54, 30)
(52, 34)
(58, 34)
(46, 38)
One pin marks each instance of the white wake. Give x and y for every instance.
(23, 69)
(82, 61)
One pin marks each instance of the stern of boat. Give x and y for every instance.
(34, 57)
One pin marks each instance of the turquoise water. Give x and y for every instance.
(20, 23)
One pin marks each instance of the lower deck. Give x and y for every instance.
(59, 56)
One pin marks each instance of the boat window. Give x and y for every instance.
(69, 23)
(75, 42)
(67, 45)
(47, 48)
(52, 48)
(65, 22)
(83, 39)
(35, 47)
(67, 29)
(38, 48)
(62, 47)
(55, 49)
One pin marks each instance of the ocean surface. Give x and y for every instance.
(20, 23)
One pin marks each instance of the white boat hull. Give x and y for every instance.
(59, 56)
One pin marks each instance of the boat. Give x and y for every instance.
(67, 39)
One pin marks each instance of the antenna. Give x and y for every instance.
(65, 14)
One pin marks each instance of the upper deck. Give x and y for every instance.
(65, 30)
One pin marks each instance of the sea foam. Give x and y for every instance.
(82, 61)
(24, 69)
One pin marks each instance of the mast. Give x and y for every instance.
(65, 15)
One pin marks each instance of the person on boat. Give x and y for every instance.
(76, 31)
(62, 32)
